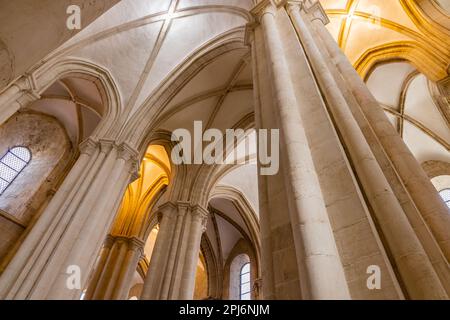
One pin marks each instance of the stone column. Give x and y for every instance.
(315, 249)
(422, 192)
(171, 274)
(72, 228)
(198, 227)
(114, 272)
(369, 216)
(407, 250)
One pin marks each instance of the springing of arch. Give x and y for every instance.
(12, 164)
(244, 282)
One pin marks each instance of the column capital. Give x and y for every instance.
(183, 207)
(249, 35)
(106, 145)
(109, 241)
(136, 244)
(88, 146)
(27, 85)
(127, 153)
(131, 157)
(134, 170)
(316, 12)
(257, 287)
(168, 209)
(266, 7)
(200, 213)
(294, 5)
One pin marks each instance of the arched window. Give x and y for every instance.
(12, 164)
(245, 290)
(445, 194)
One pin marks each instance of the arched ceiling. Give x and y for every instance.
(413, 109)
(398, 47)
(226, 227)
(76, 102)
(371, 31)
(141, 42)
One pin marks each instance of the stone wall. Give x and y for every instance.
(51, 158)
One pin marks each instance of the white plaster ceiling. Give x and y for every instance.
(244, 178)
(76, 103)
(220, 95)
(140, 42)
(229, 236)
(417, 116)
(225, 226)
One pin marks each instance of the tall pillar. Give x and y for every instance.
(331, 173)
(407, 250)
(417, 183)
(114, 272)
(171, 274)
(315, 253)
(71, 230)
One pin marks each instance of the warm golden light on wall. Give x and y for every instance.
(153, 176)
(371, 32)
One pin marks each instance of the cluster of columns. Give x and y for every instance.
(70, 232)
(173, 265)
(356, 195)
(349, 194)
(115, 269)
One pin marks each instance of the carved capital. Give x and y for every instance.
(134, 170)
(133, 243)
(200, 214)
(183, 208)
(131, 157)
(294, 6)
(249, 35)
(266, 7)
(127, 153)
(168, 209)
(316, 12)
(25, 83)
(106, 145)
(136, 244)
(88, 146)
(109, 241)
(257, 287)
